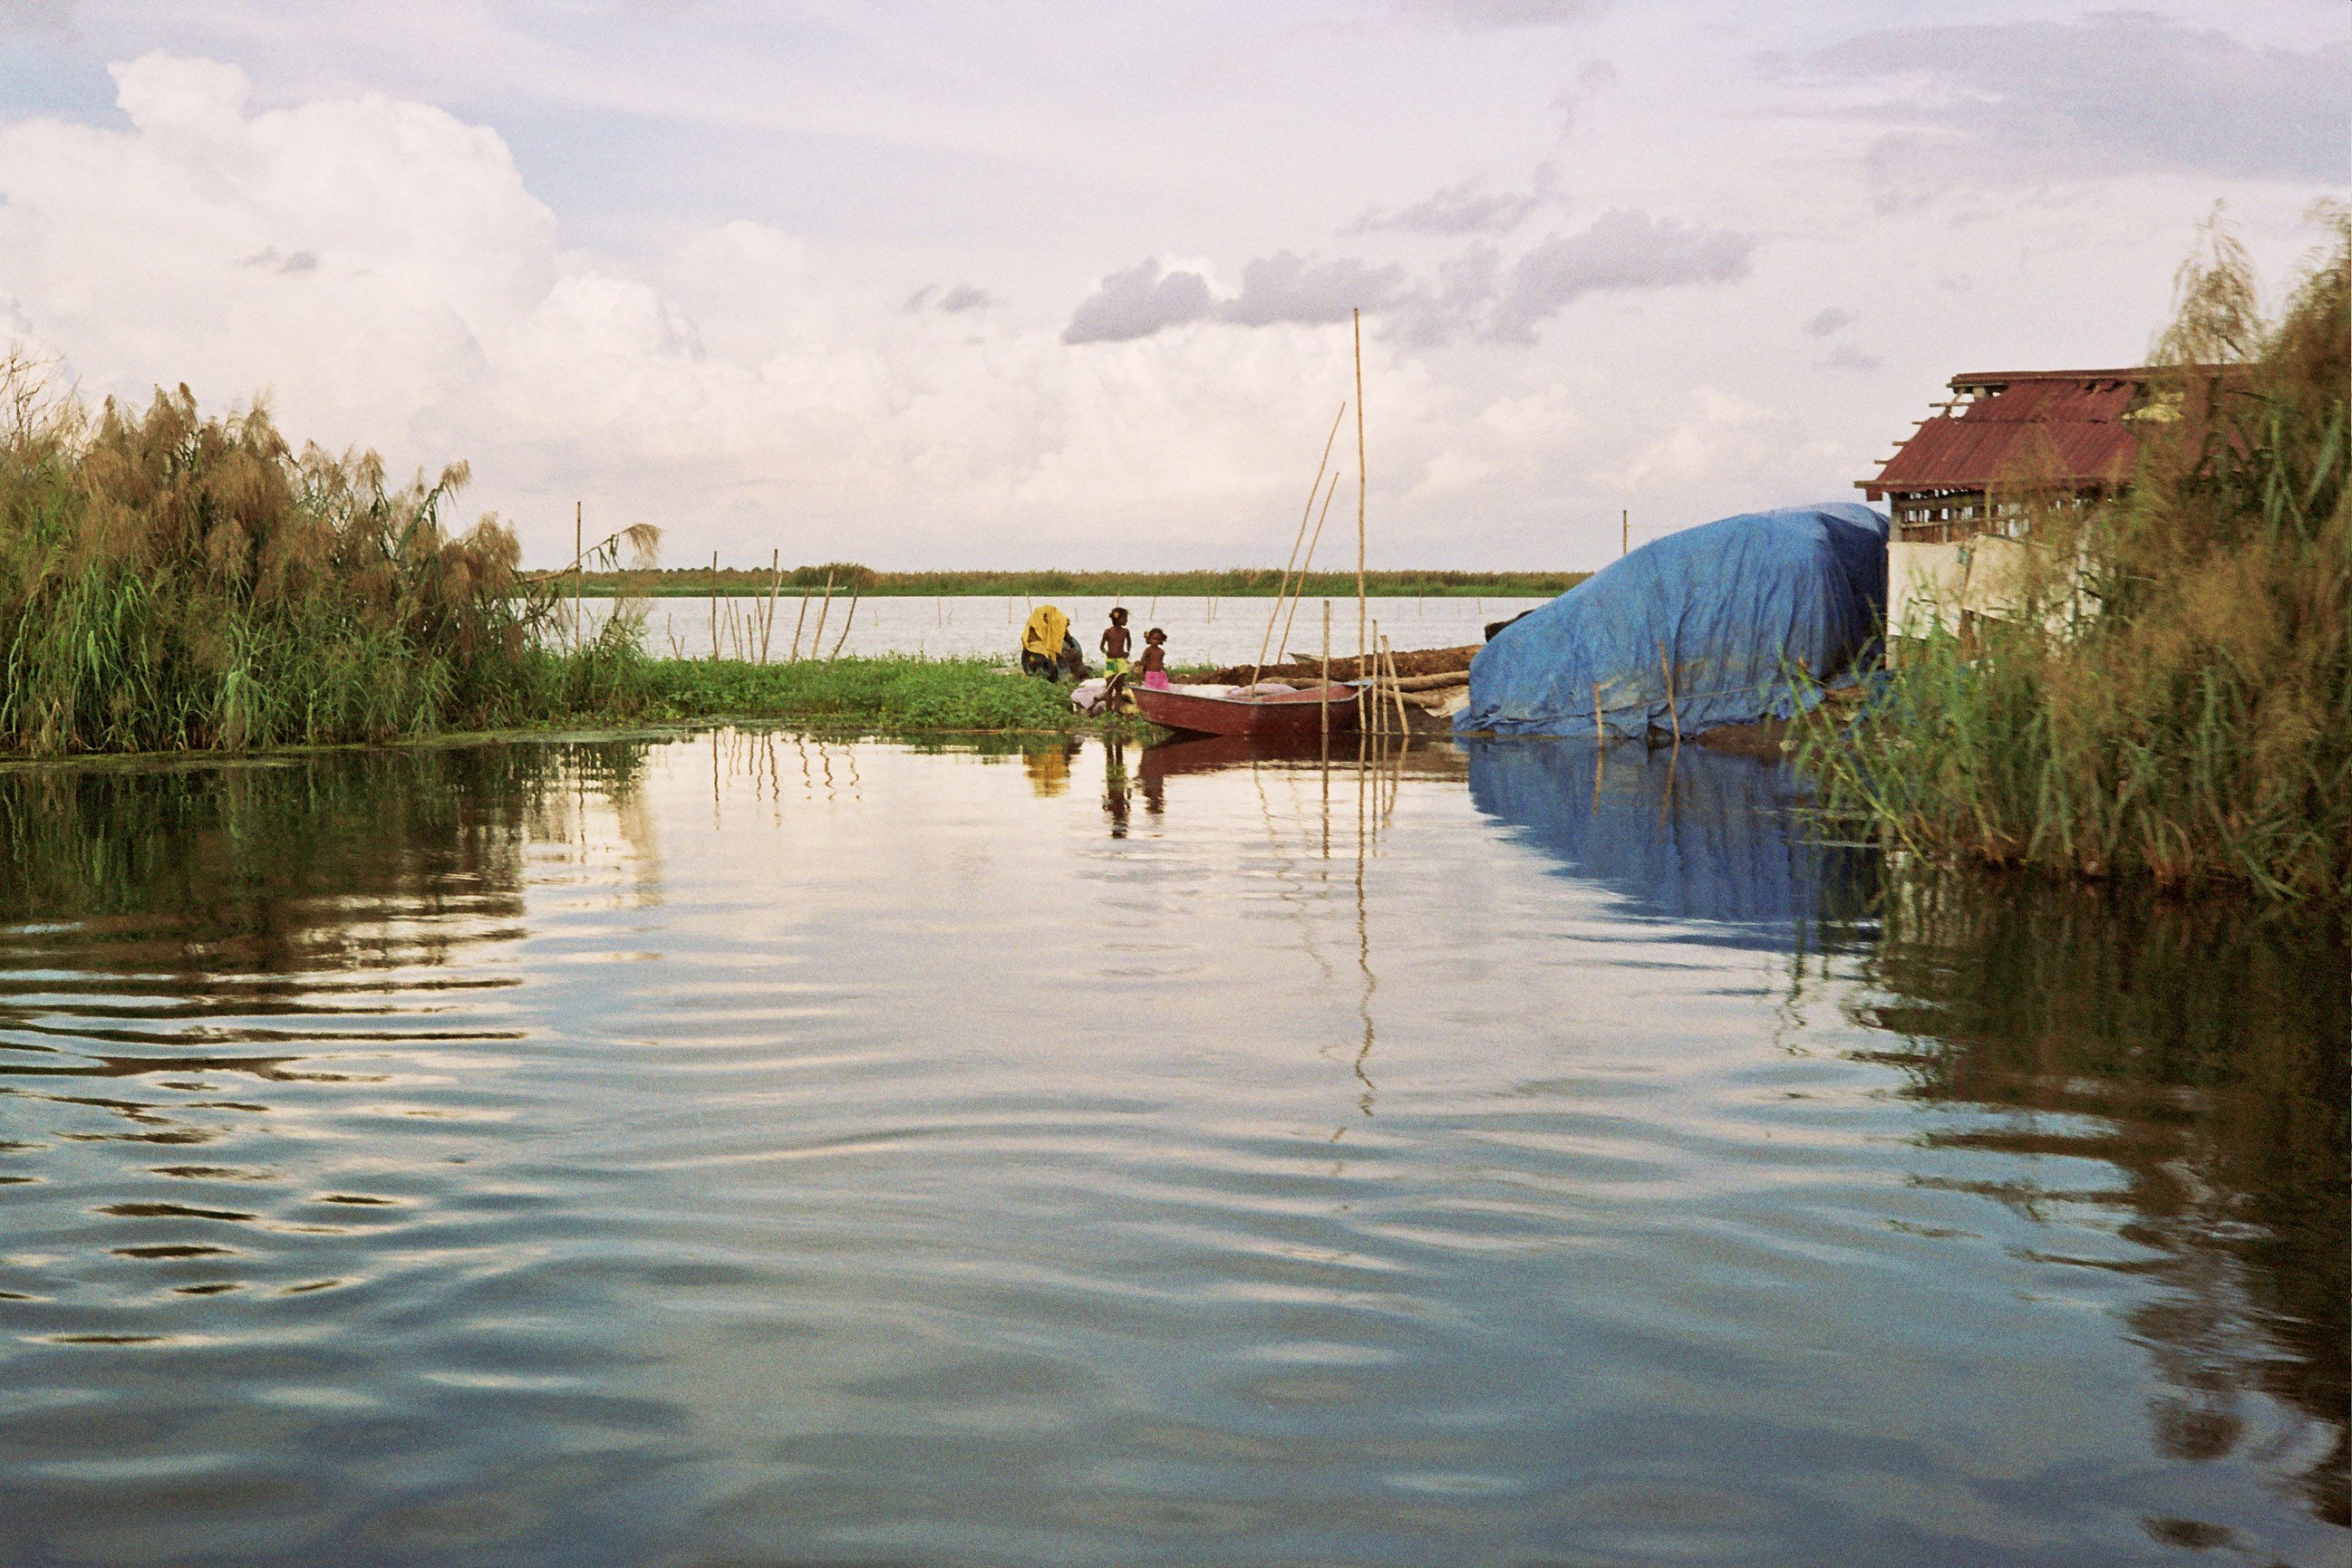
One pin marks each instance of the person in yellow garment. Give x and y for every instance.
(1046, 643)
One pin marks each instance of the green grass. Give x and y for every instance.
(2176, 703)
(889, 697)
(701, 582)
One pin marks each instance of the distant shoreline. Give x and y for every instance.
(701, 583)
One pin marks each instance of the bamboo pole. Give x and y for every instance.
(775, 586)
(1309, 564)
(816, 641)
(1283, 592)
(1674, 714)
(1396, 689)
(714, 606)
(848, 615)
(1323, 697)
(799, 621)
(579, 550)
(1363, 611)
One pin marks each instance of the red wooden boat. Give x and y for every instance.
(1268, 716)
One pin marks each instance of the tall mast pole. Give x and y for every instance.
(1363, 612)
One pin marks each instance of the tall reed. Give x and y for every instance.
(2173, 697)
(169, 580)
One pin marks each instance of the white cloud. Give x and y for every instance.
(2115, 94)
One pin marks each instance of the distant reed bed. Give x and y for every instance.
(170, 580)
(1239, 581)
(2173, 697)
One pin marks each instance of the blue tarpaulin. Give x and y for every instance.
(1727, 607)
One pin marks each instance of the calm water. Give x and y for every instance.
(1199, 631)
(740, 1149)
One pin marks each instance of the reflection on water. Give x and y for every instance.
(1682, 833)
(750, 1147)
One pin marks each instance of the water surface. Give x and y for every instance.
(742, 1148)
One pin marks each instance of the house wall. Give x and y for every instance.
(1926, 583)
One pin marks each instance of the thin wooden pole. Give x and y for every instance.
(714, 606)
(848, 615)
(1396, 684)
(579, 551)
(1673, 713)
(1307, 565)
(775, 586)
(822, 607)
(1283, 592)
(802, 620)
(1624, 530)
(1363, 611)
(1323, 698)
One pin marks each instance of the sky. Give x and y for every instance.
(1018, 284)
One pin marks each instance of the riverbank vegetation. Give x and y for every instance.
(2172, 696)
(889, 696)
(172, 581)
(1240, 582)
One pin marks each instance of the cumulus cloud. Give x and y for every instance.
(1475, 293)
(1464, 209)
(1287, 288)
(740, 386)
(1623, 250)
(1284, 288)
(1138, 302)
(2119, 93)
(1830, 321)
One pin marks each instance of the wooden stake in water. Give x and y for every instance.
(798, 622)
(1396, 684)
(775, 586)
(816, 642)
(1674, 714)
(848, 615)
(714, 606)
(1323, 698)
(579, 551)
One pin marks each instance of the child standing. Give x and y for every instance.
(1154, 662)
(1116, 641)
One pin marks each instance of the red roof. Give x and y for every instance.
(2065, 426)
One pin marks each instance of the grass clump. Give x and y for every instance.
(2173, 695)
(891, 696)
(171, 581)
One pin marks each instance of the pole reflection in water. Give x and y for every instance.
(691, 1152)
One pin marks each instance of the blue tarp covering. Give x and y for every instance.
(1710, 843)
(1728, 606)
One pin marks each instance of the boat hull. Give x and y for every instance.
(1287, 715)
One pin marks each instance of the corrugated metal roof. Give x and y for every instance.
(2062, 427)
